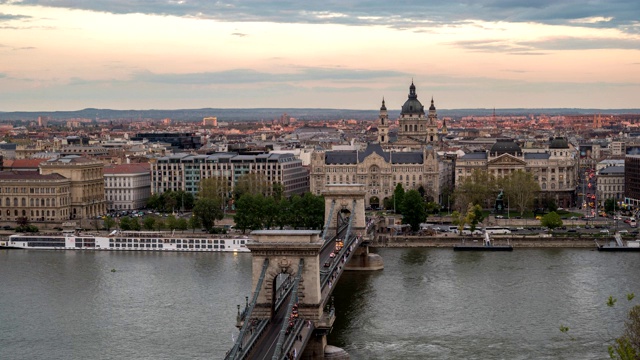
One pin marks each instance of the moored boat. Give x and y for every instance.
(619, 245)
(487, 245)
(128, 240)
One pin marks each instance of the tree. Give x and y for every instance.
(109, 222)
(125, 223)
(459, 219)
(270, 208)
(551, 220)
(216, 188)
(474, 216)
(479, 188)
(160, 225)
(208, 211)
(148, 223)
(398, 198)
(153, 202)
(414, 210)
(171, 222)
(252, 183)
(520, 189)
(249, 212)
(313, 210)
(181, 224)
(135, 224)
(610, 205)
(277, 191)
(194, 223)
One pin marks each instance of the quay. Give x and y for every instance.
(517, 241)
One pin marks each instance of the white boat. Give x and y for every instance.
(128, 241)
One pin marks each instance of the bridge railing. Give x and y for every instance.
(255, 331)
(326, 225)
(291, 338)
(233, 354)
(348, 241)
(292, 301)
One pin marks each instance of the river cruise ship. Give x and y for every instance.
(128, 241)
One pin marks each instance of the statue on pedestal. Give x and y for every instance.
(499, 207)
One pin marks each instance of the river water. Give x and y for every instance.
(425, 304)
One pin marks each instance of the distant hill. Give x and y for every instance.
(273, 113)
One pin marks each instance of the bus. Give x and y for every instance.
(497, 230)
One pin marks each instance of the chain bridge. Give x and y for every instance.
(291, 311)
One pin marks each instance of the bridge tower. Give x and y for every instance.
(284, 249)
(339, 201)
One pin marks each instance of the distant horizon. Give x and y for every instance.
(310, 108)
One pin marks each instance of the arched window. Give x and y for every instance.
(24, 202)
(7, 202)
(30, 202)
(15, 203)
(47, 201)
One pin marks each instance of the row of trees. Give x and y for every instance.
(169, 201)
(266, 212)
(520, 189)
(153, 223)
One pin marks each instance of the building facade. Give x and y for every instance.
(610, 184)
(127, 186)
(39, 198)
(379, 170)
(184, 171)
(632, 180)
(87, 184)
(555, 168)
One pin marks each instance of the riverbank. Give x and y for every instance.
(525, 241)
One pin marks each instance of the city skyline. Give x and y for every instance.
(131, 54)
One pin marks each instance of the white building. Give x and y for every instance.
(127, 186)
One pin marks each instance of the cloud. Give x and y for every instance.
(620, 14)
(573, 43)
(9, 17)
(24, 48)
(538, 47)
(239, 34)
(247, 76)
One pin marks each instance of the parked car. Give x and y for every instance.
(604, 231)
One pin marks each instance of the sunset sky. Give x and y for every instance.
(141, 54)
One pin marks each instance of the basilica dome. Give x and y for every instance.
(412, 105)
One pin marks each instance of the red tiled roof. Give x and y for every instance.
(28, 175)
(27, 163)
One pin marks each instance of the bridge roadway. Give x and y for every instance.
(298, 336)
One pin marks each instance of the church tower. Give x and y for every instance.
(432, 125)
(383, 126)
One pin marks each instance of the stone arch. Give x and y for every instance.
(270, 286)
(374, 202)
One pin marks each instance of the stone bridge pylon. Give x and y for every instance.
(344, 202)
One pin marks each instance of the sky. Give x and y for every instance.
(183, 54)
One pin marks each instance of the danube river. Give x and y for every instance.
(425, 304)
